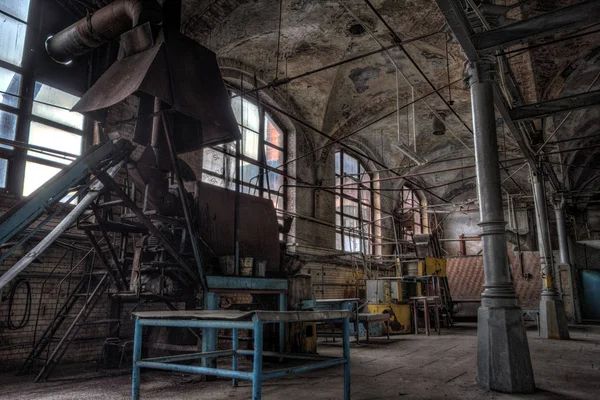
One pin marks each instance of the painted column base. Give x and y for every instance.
(553, 319)
(503, 360)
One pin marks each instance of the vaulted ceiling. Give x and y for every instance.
(275, 39)
(340, 100)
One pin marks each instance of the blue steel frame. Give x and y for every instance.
(350, 304)
(257, 376)
(218, 284)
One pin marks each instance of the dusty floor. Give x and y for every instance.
(407, 367)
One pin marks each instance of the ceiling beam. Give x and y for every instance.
(457, 20)
(550, 23)
(549, 107)
(521, 140)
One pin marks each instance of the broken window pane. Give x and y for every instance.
(8, 127)
(46, 97)
(10, 83)
(12, 40)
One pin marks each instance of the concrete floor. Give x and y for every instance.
(406, 367)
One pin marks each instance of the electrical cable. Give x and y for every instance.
(278, 43)
(11, 298)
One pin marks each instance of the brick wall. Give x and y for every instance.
(48, 293)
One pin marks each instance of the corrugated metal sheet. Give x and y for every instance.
(465, 277)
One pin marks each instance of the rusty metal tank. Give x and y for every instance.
(259, 228)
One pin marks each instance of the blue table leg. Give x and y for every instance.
(356, 322)
(137, 355)
(257, 367)
(234, 346)
(346, 340)
(282, 307)
(209, 335)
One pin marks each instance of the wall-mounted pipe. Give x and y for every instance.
(102, 26)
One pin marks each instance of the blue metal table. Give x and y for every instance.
(350, 304)
(236, 320)
(233, 284)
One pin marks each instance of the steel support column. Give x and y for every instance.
(561, 229)
(209, 335)
(503, 361)
(571, 302)
(553, 320)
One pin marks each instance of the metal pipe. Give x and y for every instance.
(102, 26)
(541, 215)
(192, 369)
(63, 225)
(187, 212)
(237, 189)
(561, 228)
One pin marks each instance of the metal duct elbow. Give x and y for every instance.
(102, 26)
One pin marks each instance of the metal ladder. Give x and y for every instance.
(446, 297)
(95, 284)
(78, 306)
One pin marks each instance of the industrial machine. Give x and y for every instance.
(385, 296)
(424, 276)
(157, 231)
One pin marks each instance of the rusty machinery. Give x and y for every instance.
(183, 107)
(423, 276)
(163, 249)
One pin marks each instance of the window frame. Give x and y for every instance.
(257, 185)
(18, 156)
(366, 233)
(410, 202)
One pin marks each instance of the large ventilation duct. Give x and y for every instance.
(102, 26)
(153, 61)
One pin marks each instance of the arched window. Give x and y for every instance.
(262, 151)
(353, 205)
(412, 214)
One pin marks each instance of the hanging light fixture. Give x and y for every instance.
(437, 124)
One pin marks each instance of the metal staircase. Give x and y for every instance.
(92, 178)
(75, 312)
(46, 200)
